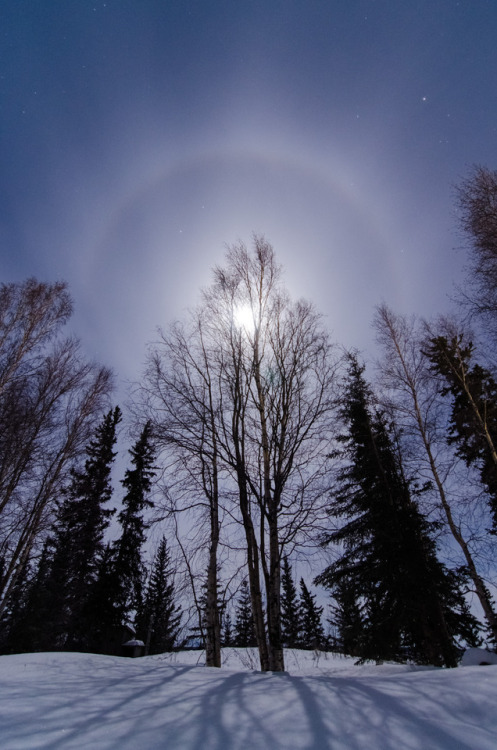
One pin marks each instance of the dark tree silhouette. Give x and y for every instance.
(473, 425)
(414, 397)
(50, 401)
(77, 544)
(477, 204)
(290, 612)
(413, 605)
(228, 635)
(348, 619)
(128, 568)
(244, 630)
(312, 631)
(158, 621)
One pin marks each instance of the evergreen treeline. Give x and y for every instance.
(300, 614)
(259, 430)
(85, 595)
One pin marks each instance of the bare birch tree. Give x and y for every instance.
(181, 398)
(477, 207)
(263, 413)
(414, 397)
(50, 397)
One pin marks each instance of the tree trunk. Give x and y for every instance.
(212, 623)
(276, 657)
(254, 575)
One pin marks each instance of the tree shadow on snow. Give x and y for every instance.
(150, 704)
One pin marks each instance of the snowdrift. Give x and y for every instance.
(60, 700)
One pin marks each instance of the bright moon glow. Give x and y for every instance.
(244, 318)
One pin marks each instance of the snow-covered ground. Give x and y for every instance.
(58, 700)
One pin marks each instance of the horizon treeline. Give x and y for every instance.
(258, 445)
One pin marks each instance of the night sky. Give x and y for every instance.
(138, 137)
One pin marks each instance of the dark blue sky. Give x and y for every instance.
(140, 136)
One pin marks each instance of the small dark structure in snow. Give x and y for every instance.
(133, 648)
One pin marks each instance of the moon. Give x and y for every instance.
(244, 318)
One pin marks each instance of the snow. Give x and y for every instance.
(55, 701)
(474, 656)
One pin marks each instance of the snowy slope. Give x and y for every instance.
(59, 701)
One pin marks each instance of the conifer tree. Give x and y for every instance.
(473, 425)
(104, 636)
(413, 605)
(14, 627)
(158, 620)
(33, 623)
(77, 543)
(312, 631)
(116, 594)
(42, 611)
(290, 614)
(347, 617)
(477, 212)
(50, 595)
(227, 637)
(412, 396)
(244, 621)
(128, 567)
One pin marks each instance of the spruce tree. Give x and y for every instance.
(116, 595)
(52, 591)
(77, 543)
(413, 605)
(473, 423)
(290, 614)
(15, 622)
(227, 636)
(159, 617)
(128, 567)
(102, 610)
(39, 611)
(311, 626)
(348, 619)
(244, 621)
